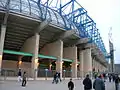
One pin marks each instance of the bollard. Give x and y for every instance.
(64, 74)
(35, 71)
(5, 74)
(46, 71)
(71, 73)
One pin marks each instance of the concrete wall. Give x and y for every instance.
(29, 45)
(55, 49)
(87, 61)
(97, 65)
(52, 49)
(12, 65)
(9, 64)
(70, 53)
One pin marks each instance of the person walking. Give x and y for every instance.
(113, 77)
(117, 80)
(24, 81)
(59, 76)
(98, 84)
(55, 78)
(70, 85)
(19, 75)
(87, 83)
(104, 77)
(110, 77)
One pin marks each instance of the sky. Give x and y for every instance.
(106, 14)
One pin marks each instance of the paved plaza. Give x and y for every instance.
(46, 85)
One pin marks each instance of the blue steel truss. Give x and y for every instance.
(77, 15)
(66, 14)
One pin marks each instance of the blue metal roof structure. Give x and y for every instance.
(66, 14)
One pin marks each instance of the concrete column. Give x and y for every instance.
(19, 62)
(96, 69)
(34, 65)
(102, 68)
(87, 61)
(55, 49)
(99, 67)
(95, 64)
(60, 57)
(74, 64)
(71, 53)
(81, 64)
(50, 65)
(59, 66)
(2, 38)
(32, 46)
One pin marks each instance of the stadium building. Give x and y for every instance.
(38, 38)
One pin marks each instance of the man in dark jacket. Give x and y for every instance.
(19, 75)
(110, 77)
(70, 85)
(117, 80)
(87, 83)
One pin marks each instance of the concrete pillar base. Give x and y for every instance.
(59, 67)
(81, 64)
(87, 62)
(2, 38)
(71, 53)
(74, 70)
(34, 68)
(82, 74)
(19, 62)
(0, 63)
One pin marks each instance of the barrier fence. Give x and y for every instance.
(42, 73)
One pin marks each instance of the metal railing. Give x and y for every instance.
(9, 72)
(43, 73)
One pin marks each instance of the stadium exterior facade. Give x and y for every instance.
(33, 34)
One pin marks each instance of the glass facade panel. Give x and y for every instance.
(54, 19)
(15, 5)
(25, 7)
(3, 3)
(48, 14)
(60, 20)
(35, 11)
(30, 7)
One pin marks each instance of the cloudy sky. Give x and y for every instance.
(106, 14)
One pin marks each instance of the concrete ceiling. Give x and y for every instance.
(19, 29)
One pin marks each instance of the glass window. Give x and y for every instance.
(54, 19)
(43, 9)
(67, 23)
(25, 7)
(35, 11)
(15, 5)
(3, 3)
(48, 14)
(60, 20)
